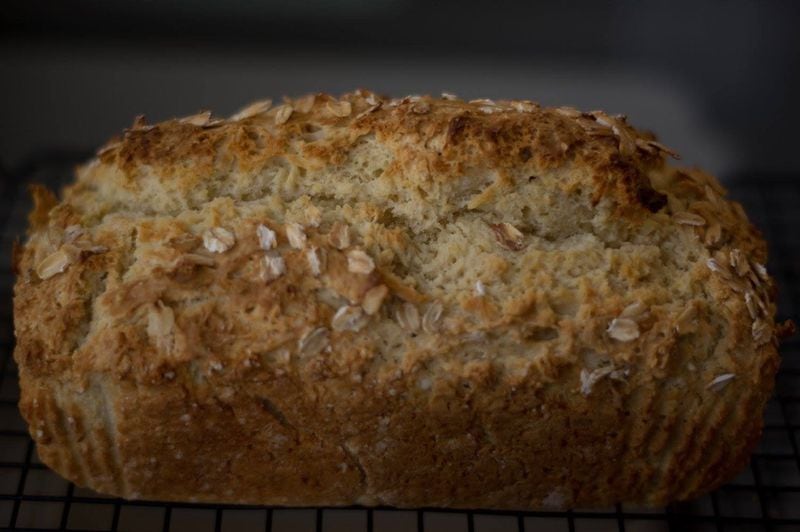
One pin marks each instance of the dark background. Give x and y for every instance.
(718, 81)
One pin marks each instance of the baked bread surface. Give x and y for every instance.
(416, 302)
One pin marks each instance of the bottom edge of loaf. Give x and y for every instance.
(154, 443)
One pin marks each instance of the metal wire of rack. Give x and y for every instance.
(766, 496)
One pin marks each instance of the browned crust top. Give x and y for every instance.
(151, 267)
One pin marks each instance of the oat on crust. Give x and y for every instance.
(409, 302)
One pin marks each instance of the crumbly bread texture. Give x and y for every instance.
(409, 302)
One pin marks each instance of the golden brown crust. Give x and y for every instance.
(416, 302)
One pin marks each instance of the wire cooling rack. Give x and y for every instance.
(765, 496)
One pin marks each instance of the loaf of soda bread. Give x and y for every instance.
(407, 302)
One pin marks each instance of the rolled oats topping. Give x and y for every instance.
(87, 248)
(349, 318)
(160, 326)
(196, 259)
(569, 112)
(627, 142)
(305, 104)
(522, 106)
(339, 237)
(200, 119)
(432, 316)
(686, 322)
(762, 332)
(340, 108)
(218, 239)
(72, 233)
(283, 113)
(760, 302)
(750, 302)
(140, 124)
(483, 101)
(508, 236)
(623, 329)
(68, 253)
(636, 311)
(715, 266)
(313, 342)
(267, 238)
(480, 288)
(296, 236)
(755, 281)
(369, 110)
(760, 270)
(421, 108)
(590, 378)
(185, 242)
(373, 298)
(652, 146)
(712, 196)
(407, 316)
(359, 262)
(688, 218)
(315, 262)
(273, 267)
(54, 263)
(255, 108)
(737, 286)
(720, 381)
(738, 262)
(713, 235)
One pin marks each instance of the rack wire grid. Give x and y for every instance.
(765, 496)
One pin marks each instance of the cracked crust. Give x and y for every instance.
(416, 302)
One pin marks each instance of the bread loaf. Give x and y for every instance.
(415, 302)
